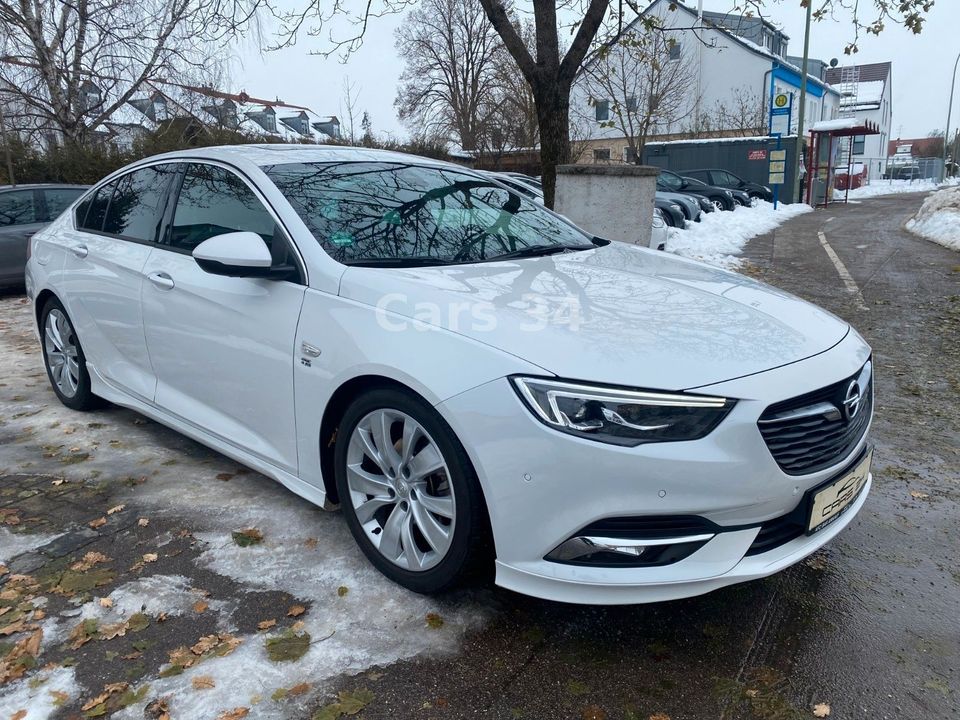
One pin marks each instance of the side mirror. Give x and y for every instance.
(236, 254)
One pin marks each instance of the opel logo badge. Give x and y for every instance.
(852, 400)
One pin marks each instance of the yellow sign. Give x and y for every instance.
(778, 167)
(778, 155)
(777, 178)
(781, 100)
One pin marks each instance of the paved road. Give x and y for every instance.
(868, 626)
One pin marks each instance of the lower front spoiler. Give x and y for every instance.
(581, 590)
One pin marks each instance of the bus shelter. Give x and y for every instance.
(831, 168)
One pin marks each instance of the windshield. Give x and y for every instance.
(670, 181)
(401, 213)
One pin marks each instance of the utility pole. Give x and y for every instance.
(803, 101)
(946, 134)
(696, 113)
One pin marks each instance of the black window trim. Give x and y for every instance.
(177, 184)
(38, 205)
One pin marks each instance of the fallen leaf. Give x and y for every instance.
(89, 560)
(138, 621)
(21, 657)
(266, 624)
(593, 712)
(353, 702)
(235, 714)
(19, 715)
(109, 632)
(342, 590)
(751, 693)
(250, 536)
(158, 709)
(916, 494)
(143, 522)
(149, 557)
(299, 689)
(60, 698)
(98, 523)
(660, 716)
(106, 602)
(224, 476)
(203, 682)
(115, 509)
(296, 611)
(298, 626)
(821, 710)
(310, 543)
(288, 646)
(200, 605)
(434, 621)
(108, 690)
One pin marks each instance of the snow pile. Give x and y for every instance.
(720, 236)
(939, 218)
(894, 187)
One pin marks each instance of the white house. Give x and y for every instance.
(867, 96)
(736, 63)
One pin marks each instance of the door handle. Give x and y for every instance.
(161, 280)
(79, 250)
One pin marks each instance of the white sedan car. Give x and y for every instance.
(475, 381)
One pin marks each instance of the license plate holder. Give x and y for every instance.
(832, 499)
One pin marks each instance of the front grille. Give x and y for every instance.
(812, 431)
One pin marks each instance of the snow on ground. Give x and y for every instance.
(939, 218)
(38, 694)
(893, 187)
(720, 236)
(13, 544)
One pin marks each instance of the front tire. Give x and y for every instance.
(64, 360)
(409, 493)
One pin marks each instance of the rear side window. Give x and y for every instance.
(17, 208)
(136, 209)
(59, 199)
(93, 210)
(214, 201)
(700, 175)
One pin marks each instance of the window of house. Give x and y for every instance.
(632, 104)
(602, 110)
(17, 208)
(214, 201)
(630, 155)
(675, 51)
(601, 155)
(859, 143)
(136, 208)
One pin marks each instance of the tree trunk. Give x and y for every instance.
(553, 119)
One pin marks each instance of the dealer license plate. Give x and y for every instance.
(831, 501)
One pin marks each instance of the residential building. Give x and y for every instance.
(867, 96)
(736, 64)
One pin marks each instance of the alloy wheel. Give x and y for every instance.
(60, 344)
(400, 489)
(717, 205)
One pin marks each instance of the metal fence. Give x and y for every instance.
(873, 171)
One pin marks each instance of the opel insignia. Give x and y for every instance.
(476, 382)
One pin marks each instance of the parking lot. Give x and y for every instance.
(159, 577)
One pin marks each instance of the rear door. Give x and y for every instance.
(103, 271)
(20, 218)
(223, 347)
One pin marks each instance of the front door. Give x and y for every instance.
(223, 347)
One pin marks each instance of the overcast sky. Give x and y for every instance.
(922, 66)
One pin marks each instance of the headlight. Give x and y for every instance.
(767, 189)
(621, 416)
(728, 193)
(676, 207)
(705, 204)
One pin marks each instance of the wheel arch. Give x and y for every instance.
(40, 302)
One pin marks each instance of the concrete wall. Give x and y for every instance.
(614, 202)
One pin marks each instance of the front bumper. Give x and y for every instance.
(542, 486)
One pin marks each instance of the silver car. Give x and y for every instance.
(24, 209)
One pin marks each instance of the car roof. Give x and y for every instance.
(40, 186)
(280, 154)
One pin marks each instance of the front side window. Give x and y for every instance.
(670, 181)
(59, 199)
(136, 208)
(17, 208)
(726, 179)
(400, 213)
(214, 201)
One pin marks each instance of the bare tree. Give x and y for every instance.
(68, 65)
(743, 114)
(348, 108)
(450, 76)
(643, 82)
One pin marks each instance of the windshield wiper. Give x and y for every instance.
(537, 251)
(400, 262)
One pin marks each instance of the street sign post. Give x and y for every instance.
(781, 116)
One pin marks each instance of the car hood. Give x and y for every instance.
(619, 314)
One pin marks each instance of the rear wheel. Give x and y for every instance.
(718, 204)
(64, 359)
(409, 492)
